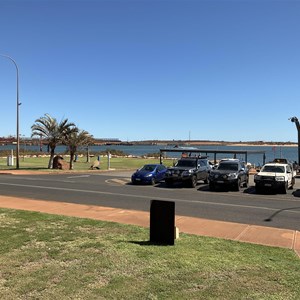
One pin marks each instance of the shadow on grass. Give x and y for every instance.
(35, 168)
(25, 169)
(147, 243)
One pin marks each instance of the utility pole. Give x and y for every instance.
(18, 104)
(296, 121)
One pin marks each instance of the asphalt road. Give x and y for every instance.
(113, 189)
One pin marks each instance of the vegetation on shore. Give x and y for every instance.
(213, 143)
(103, 142)
(64, 132)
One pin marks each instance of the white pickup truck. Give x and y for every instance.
(275, 176)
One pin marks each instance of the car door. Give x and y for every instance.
(289, 174)
(161, 170)
(202, 171)
(242, 172)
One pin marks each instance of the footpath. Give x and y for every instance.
(268, 236)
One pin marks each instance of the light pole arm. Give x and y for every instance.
(297, 124)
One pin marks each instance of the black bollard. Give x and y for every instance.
(162, 222)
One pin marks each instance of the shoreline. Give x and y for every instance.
(234, 144)
(172, 144)
(262, 145)
(186, 143)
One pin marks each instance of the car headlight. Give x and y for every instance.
(232, 175)
(149, 175)
(186, 172)
(279, 178)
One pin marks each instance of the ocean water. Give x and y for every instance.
(271, 152)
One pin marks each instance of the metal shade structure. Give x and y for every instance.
(214, 152)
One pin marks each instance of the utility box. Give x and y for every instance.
(10, 160)
(162, 222)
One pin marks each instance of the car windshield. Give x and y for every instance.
(186, 163)
(230, 167)
(273, 169)
(148, 168)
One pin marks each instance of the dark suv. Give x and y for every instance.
(231, 173)
(189, 170)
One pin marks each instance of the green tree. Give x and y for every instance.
(53, 132)
(76, 139)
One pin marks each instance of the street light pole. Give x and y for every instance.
(18, 104)
(296, 121)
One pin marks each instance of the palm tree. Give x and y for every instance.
(75, 139)
(52, 131)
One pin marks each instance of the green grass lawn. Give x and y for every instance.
(41, 163)
(44, 256)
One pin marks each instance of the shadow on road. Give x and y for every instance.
(270, 219)
(296, 193)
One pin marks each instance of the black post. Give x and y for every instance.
(87, 154)
(298, 127)
(162, 222)
(296, 121)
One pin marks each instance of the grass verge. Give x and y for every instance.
(45, 256)
(120, 163)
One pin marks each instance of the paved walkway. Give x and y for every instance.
(268, 236)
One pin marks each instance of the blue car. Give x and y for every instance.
(150, 174)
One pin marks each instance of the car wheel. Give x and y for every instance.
(193, 181)
(246, 182)
(168, 182)
(238, 184)
(293, 183)
(153, 181)
(212, 186)
(284, 188)
(258, 189)
(206, 180)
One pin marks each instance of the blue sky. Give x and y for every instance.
(139, 69)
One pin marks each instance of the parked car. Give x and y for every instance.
(189, 170)
(294, 165)
(230, 173)
(275, 176)
(149, 174)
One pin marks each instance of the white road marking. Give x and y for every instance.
(41, 179)
(79, 176)
(149, 197)
(118, 181)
